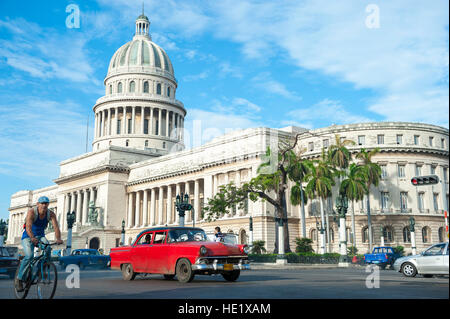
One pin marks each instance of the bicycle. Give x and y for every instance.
(40, 272)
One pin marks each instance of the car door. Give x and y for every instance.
(158, 256)
(431, 260)
(140, 253)
(444, 269)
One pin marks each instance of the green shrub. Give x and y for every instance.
(399, 250)
(304, 245)
(352, 250)
(258, 247)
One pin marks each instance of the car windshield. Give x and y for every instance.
(182, 235)
(4, 252)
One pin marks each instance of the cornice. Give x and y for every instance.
(97, 170)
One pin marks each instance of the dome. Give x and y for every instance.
(141, 54)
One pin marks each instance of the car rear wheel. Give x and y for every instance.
(128, 272)
(409, 270)
(184, 271)
(232, 275)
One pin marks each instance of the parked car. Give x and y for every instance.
(8, 263)
(179, 251)
(84, 258)
(432, 261)
(381, 256)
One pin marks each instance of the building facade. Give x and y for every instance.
(138, 165)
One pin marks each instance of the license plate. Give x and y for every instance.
(228, 267)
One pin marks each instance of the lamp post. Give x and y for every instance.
(2, 231)
(182, 205)
(122, 239)
(70, 222)
(382, 236)
(250, 228)
(412, 222)
(342, 207)
(87, 243)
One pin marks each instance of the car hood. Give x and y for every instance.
(405, 258)
(217, 249)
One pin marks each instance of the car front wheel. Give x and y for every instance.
(409, 270)
(128, 272)
(184, 271)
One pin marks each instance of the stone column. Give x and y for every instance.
(109, 122)
(124, 120)
(167, 123)
(95, 126)
(78, 211)
(169, 205)
(130, 210)
(197, 200)
(177, 192)
(85, 207)
(186, 191)
(142, 119)
(133, 119)
(137, 212)
(160, 205)
(151, 121)
(152, 207)
(145, 209)
(173, 125)
(116, 119)
(159, 122)
(215, 186)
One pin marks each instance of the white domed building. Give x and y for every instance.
(138, 166)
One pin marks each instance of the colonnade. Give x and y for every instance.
(77, 201)
(161, 122)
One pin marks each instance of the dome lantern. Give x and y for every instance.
(142, 24)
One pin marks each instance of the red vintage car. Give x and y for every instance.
(179, 251)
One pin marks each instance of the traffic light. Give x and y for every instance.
(424, 180)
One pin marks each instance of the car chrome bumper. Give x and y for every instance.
(219, 267)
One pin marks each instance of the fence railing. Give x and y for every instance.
(295, 258)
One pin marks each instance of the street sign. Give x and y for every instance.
(425, 180)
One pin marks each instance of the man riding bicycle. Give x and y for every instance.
(34, 231)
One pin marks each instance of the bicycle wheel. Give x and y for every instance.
(47, 279)
(26, 283)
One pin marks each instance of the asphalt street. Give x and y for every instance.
(331, 283)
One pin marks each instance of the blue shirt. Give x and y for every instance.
(38, 227)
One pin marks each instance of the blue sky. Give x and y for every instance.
(239, 64)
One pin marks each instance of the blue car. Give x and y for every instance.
(85, 258)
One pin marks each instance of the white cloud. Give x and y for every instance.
(196, 77)
(265, 82)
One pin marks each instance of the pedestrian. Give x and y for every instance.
(34, 227)
(218, 236)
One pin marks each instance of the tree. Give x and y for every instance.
(303, 245)
(320, 183)
(354, 187)
(372, 173)
(258, 247)
(270, 185)
(339, 154)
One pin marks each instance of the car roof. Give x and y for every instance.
(167, 228)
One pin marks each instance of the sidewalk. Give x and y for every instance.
(259, 266)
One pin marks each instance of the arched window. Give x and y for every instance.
(313, 235)
(441, 234)
(168, 91)
(110, 89)
(127, 142)
(406, 235)
(243, 237)
(146, 143)
(164, 144)
(331, 236)
(348, 234)
(388, 234)
(132, 86)
(158, 88)
(146, 87)
(119, 87)
(365, 235)
(426, 234)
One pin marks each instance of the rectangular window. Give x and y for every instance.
(436, 201)
(421, 202)
(361, 140)
(380, 139)
(384, 200)
(310, 146)
(431, 140)
(118, 126)
(416, 139)
(157, 128)
(399, 139)
(403, 201)
(145, 126)
(384, 173)
(418, 170)
(401, 171)
(129, 126)
(443, 142)
(326, 143)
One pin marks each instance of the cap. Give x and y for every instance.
(43, 199)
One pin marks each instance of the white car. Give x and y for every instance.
(433, 261)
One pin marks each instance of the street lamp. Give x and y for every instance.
(412, 222)
(122, 239)
(182, 206)
(70, 222)
(342, 207)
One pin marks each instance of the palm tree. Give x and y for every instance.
(373, 176)
(354, 187)
(339, 154)
(320, 182)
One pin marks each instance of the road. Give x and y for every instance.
(255, 284)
